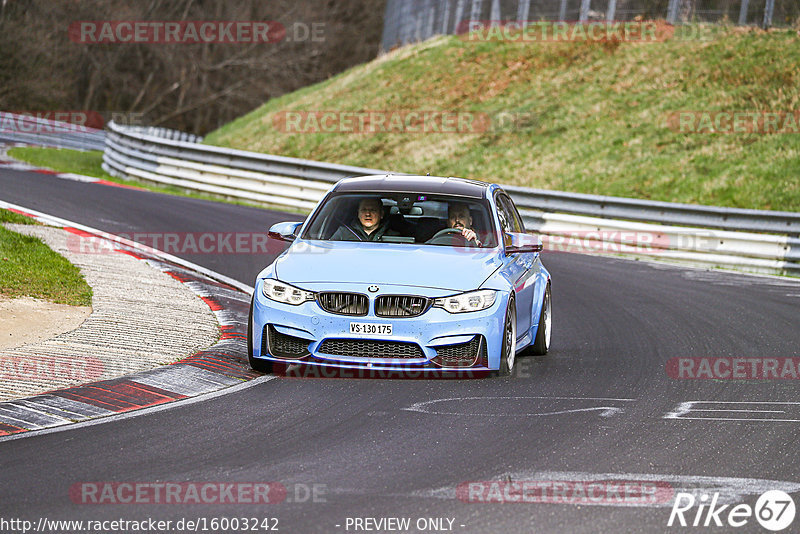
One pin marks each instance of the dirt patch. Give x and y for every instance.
(27, 320)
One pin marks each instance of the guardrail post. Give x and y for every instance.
(389, 36)
(612, 10)
(458, 15)
(445, 16)
(477, 8)
(430, 12)
(585, 6)
(495, 15)
(769, 7)
(403, 31)
(523, 9)
(672, 11)
(562, 12)
(419, 17)
(743, 12)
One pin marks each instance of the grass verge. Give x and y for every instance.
(30, 268)
(64, 160)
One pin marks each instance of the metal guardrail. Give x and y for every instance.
(779, 222)
(756, 240)
(766, 253)
(164, 133)
(30, 130)
(258, 178)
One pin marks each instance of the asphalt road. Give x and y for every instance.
(600, 408)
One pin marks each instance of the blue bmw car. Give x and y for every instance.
(403, 273)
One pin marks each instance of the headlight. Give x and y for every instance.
(281, 292)
(467, 302)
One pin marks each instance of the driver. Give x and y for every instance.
(459, 217)
(367, 226)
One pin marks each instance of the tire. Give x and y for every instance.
(545, 330)
(509, 347)
(262, 366)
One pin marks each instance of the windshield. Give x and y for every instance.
(409, 218)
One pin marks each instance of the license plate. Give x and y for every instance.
(371, 329)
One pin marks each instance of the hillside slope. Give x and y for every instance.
(591, 117)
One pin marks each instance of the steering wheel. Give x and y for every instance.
(445, 237)
(342, 223)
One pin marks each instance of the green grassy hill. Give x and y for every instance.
(595, 116)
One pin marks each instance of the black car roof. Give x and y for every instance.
(414, 184)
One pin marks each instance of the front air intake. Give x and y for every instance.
(354, 304)
(401, 306)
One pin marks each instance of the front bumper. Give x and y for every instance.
(434, 342)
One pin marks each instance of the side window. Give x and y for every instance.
(509, 218)
(502, 214)
(517, 216)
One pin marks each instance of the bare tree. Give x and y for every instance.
(193, 87)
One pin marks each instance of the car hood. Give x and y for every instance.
(452, 268)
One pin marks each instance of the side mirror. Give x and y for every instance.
(285, 231)
(518, 243)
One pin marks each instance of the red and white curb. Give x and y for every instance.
(224, 365)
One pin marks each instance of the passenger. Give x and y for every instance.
(368, 225)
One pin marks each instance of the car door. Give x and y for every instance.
(519, 267)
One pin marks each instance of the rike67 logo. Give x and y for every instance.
(774, 511)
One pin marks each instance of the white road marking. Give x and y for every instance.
(746, 411)
(605, 411)
(76, 177)
(688, 407)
